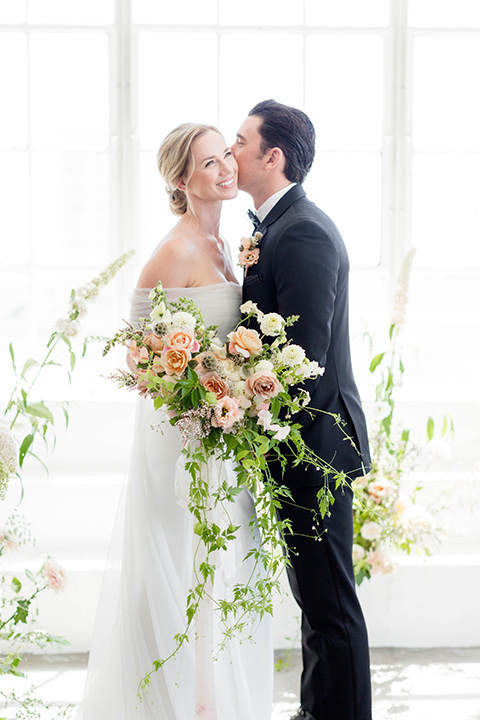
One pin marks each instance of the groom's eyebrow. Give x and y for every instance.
(240, 137)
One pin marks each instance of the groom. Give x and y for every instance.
(303, 270)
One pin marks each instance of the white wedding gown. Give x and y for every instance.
(143, 598)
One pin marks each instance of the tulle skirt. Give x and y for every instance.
(143, 601)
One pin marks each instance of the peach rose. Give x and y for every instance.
(182, 339)
(244, 342)
(263, 384)
(154, 343)
(226, 412)
(214, 383)
(138, 354)
(175, 360)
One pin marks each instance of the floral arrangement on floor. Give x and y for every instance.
(237, 401)
(388, 519)
(18, 612)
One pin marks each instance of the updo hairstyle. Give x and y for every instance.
(174, 161)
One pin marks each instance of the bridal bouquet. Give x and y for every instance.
(233, 400)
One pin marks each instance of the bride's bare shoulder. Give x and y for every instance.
(170, 263)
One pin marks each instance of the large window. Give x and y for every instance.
(91, 88)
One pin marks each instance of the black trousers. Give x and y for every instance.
(335, 682)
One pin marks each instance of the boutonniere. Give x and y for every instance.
(249, 251)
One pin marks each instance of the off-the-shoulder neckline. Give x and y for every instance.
(193, 287)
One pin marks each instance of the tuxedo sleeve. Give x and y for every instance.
(306, 268)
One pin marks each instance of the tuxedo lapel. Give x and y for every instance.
(281, 206)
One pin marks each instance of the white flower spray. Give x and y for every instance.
(8, 459)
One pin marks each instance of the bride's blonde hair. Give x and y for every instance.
(174, 161)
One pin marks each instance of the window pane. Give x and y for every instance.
(242, 85)
(70, 208)
(155, 216)
(374, 13)
(446, 98)
(165, 12)
(172, 88)
(348, 187)
(344, 90)
(444, 13)
(69, 91)
(443, 306)
(14, 208)
(13, 11)
(71, 12)
(13, 88)
(267, 12)
(446, 210)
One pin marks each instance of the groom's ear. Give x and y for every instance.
(275, 159)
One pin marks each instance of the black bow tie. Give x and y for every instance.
(254, 218)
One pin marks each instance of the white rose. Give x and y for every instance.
(183, 320)
(272, 324)
(292, 355)
(371, 531)
(357, 552)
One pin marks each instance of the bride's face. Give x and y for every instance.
(214, 176)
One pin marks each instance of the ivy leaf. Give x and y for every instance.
(12, 355)
(376, 361)
(39, 409)
(16, 585)
(31, 362)
(24, 447)
(430, 429)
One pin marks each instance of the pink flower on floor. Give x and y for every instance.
(55, 575)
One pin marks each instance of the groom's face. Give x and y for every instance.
(248, 155)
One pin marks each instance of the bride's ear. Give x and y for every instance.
(181, 184)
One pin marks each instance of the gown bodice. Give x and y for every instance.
(219, 303)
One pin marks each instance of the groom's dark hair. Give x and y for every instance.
(290, 130)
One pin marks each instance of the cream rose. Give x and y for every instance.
(371, 531)
(357, 552)
(263, 384)
(175, 360)
(214, 383)
(244, 342)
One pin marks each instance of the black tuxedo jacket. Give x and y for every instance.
(303, 270)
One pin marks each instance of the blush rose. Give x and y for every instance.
(263, 384)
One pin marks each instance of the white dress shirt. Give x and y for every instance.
(264, 209)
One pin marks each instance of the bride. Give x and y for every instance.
(143, 598)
